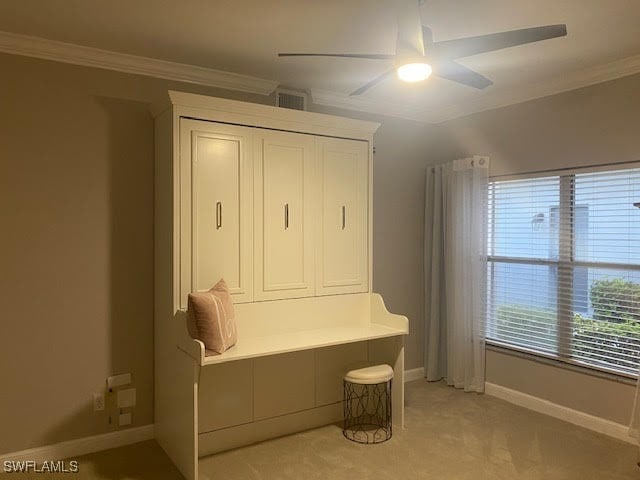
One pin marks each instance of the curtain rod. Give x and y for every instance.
(557, 170)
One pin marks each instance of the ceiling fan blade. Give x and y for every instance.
(460, 74)
(410, 36)
(372, 56)
(372, 83)
(464, 47)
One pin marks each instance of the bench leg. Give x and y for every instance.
(391, 352)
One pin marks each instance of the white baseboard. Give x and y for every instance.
(576, 417)
(82, 446)
(413, 374)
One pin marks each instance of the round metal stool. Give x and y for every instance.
(367, 404)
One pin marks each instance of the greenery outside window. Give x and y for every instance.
(564, 267)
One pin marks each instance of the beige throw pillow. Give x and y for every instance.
(214, 317)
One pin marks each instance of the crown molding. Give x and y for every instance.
(122, 62)
(524, 93)
(26, 45)
(390, 109)
(489, 101)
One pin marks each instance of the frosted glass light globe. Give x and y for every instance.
(414, 72)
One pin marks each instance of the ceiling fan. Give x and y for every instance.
(418, 56)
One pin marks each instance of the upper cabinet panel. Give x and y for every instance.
(217, 184)
(343, 226)
(284, 249)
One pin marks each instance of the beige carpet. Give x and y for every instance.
(449, 435)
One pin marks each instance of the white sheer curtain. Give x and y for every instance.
(455, 272)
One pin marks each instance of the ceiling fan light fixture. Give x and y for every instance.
(414, 72)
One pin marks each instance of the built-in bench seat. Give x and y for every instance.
(275, 327)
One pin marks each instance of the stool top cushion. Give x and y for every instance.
(370, 375)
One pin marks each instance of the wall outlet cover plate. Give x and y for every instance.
(125, 419)
(98, 402)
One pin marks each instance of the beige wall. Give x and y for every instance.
(402, 151)
(76, 172)
(76, 184)
(597, 396)
(598, 124)
(593, 125)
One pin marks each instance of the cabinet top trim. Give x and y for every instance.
(266, 116)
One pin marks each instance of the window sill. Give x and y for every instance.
(554, 362)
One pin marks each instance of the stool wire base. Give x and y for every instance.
(367, 412)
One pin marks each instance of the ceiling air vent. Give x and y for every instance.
(291, 99)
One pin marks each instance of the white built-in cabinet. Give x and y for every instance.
(276, 214)
(278, 203)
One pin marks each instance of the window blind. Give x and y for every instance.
(564, 267)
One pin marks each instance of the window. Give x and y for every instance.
(564, 267)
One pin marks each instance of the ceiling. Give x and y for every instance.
(244, 36)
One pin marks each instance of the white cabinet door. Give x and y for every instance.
(284, 255)
(217, 208)
(283, 384)
(225, 395)
(343, 223)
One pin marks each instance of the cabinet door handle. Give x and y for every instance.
(344, 216)
(286, 216)
(218, 215)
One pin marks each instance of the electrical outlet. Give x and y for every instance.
(98, 402)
